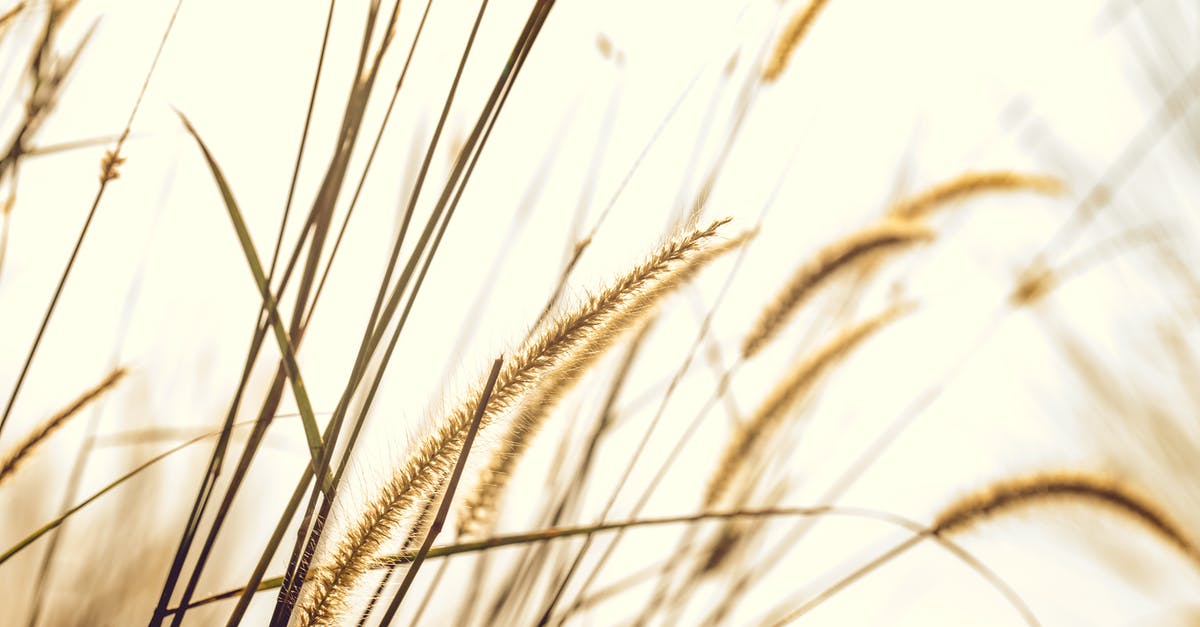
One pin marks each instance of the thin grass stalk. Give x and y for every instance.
(274, 396)
(487, 118)
(471, 153)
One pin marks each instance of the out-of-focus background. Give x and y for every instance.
(881, 100)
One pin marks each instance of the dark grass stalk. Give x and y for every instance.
(304, 550)
(274, 396)
(104, 181)
(317, 226)
(503, 84)
(427, 514)
(320, 217)
(427, 597)
(313, 435)
(371, 156)
(447, 497)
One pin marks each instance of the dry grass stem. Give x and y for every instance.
(1008, 494)
(790, 39)
(417, 479)
(784, 397)
(969, 184)
(841, 256)
(26, 447)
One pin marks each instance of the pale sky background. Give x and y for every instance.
(883, 98)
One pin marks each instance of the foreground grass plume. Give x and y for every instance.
(480, 508)
(1010, 494)
(841, 256)
(924, 204)
(790, 39)
(417, 479)
(27, 446)
(786, 394)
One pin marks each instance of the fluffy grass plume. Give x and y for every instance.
(922, 205)
(29, 444)
(417, 479)
(1009, 494)
(830, 261)
(786, 394)
(480, 508)
(790, 39)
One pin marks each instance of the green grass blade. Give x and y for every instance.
(311, 432)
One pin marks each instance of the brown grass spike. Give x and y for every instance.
(1006, 495)
(786, 394)
(830, 261)
(418, 478)
(790, 39)
(479, 509)
(26, 447)
(969, 184)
